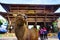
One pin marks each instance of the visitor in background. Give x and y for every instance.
(41, 32)
(10, 29)
(45, 32)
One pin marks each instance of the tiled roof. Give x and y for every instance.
(57, 11)
(2, 9)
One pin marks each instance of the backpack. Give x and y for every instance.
(41, 31)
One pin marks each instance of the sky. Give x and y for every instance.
(30, 2)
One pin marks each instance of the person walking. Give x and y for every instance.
(45, 32)
(41, 32)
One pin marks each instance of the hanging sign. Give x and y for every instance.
(30, 11)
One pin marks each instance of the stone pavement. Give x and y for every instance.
(8, 38)
(50, 38)
(11, 36)
(14, 38)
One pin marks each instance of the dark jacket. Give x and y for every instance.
(59, 35)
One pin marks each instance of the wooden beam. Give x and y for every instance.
(37, 16)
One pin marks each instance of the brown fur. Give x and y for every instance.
(22, 32)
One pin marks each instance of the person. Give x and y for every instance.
(41, 33)
(10, 29)
(59, 34)
(45, 32)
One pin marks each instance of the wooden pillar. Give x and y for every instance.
(45, 20)
(45, 17)
(9, 22)
(35, 21)
(54, 18)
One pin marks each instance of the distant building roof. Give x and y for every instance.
(2, 9)
(57, 11)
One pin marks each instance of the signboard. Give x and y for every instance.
(30, 11)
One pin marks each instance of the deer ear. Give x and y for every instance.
(25, 17)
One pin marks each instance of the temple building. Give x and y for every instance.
(37, 14)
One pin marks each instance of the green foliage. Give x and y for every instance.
(55, 26)
(0, 23)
